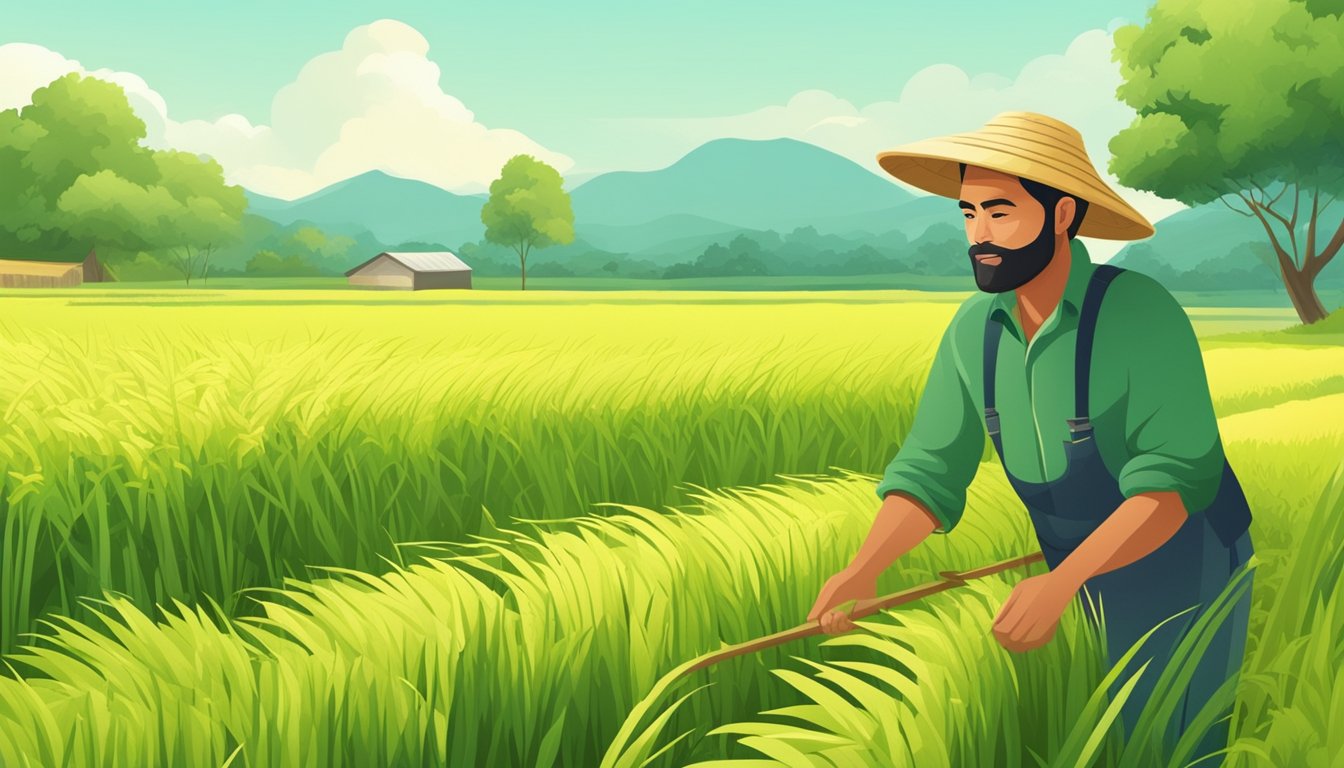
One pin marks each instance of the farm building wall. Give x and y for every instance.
(384, 272)
(94, 272)
(458, 279)
(71, 277)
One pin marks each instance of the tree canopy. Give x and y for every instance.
(1243, 105)
(74, 176)
(528, 208)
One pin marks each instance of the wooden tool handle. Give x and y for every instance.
(989, 570)
(860, 609)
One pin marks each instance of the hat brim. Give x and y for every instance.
(932, 165)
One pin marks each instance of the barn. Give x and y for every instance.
(55, 272)
(412, 271)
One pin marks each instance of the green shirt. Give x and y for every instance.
(1150, 405)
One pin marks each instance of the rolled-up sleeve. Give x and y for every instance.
(1171, 431)
(942, 451)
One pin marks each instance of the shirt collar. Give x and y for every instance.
(1080, 273)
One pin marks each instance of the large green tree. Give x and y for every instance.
(528, 208)
(75, 176)
(1242, 101)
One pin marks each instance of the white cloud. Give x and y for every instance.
(375, 104)
(1077, 86)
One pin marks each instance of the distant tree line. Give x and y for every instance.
(75, 177)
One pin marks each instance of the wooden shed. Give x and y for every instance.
(51, 273)
(412, 271)
(39, 274)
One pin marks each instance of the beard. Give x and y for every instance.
(1017, 265)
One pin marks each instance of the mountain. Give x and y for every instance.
(395, 210)
(911, 217)
(775, 184)
(1187, 239)
(719, 188)
(1210, 247)
(633, 238)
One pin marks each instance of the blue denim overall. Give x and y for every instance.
(1189, 569)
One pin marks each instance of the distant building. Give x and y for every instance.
(51, 273)
(412, 271)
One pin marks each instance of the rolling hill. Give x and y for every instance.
(393, 209)
(775, 184)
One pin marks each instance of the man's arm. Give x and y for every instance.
(901, 524)
(940, 455)
(923, 488)
(1140, 525)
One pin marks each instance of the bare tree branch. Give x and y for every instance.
(1286, 266)
(1331, 248)
(1276, 214)
(1310, 256)
(1289, 224)
(1281, 191)
(1328, 202)
(1222, 199)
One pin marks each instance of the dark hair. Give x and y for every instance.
(1048, 196)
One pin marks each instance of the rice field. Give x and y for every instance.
(304, 528)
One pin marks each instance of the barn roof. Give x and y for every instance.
(37, 268)
(51, 256)
(428, 261)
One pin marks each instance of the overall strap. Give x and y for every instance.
(993, 330)
(1087, 325)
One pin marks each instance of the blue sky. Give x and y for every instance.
(586, 58)
(291, 97)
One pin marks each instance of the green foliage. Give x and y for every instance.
(528, 207)
(272, 264)
(1232, 100)
(741, 257)
(204, 483)
(302, 248)
(941, 250)
(801, 252)
(73, 174)
(1231, 97)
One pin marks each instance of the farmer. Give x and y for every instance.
(1099, 411)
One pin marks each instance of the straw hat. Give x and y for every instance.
(1025, 144)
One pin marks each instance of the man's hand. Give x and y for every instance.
(848, 584)
(1031, 614)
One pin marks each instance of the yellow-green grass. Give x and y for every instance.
(532, 650)
(191, 444)
(189, 452)
(1286, 703)
(166, 451)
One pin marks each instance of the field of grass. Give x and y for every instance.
(1259, 298)
(296, 528)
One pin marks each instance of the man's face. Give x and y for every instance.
(1012, 239)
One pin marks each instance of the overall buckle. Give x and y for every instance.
(992, 421)
(1079, 429)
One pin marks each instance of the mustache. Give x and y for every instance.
(989, 248)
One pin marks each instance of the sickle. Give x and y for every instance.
(857, 609)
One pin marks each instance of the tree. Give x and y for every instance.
(268, 263)
(1231, 105)
(73, 176)
(528, 208)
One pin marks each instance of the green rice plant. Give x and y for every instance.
(916, 697)
(520, 650)
(1292, 695)
(171, 465)
(533, 650)
(151, 454)
(1087, 734)
(191, 468)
